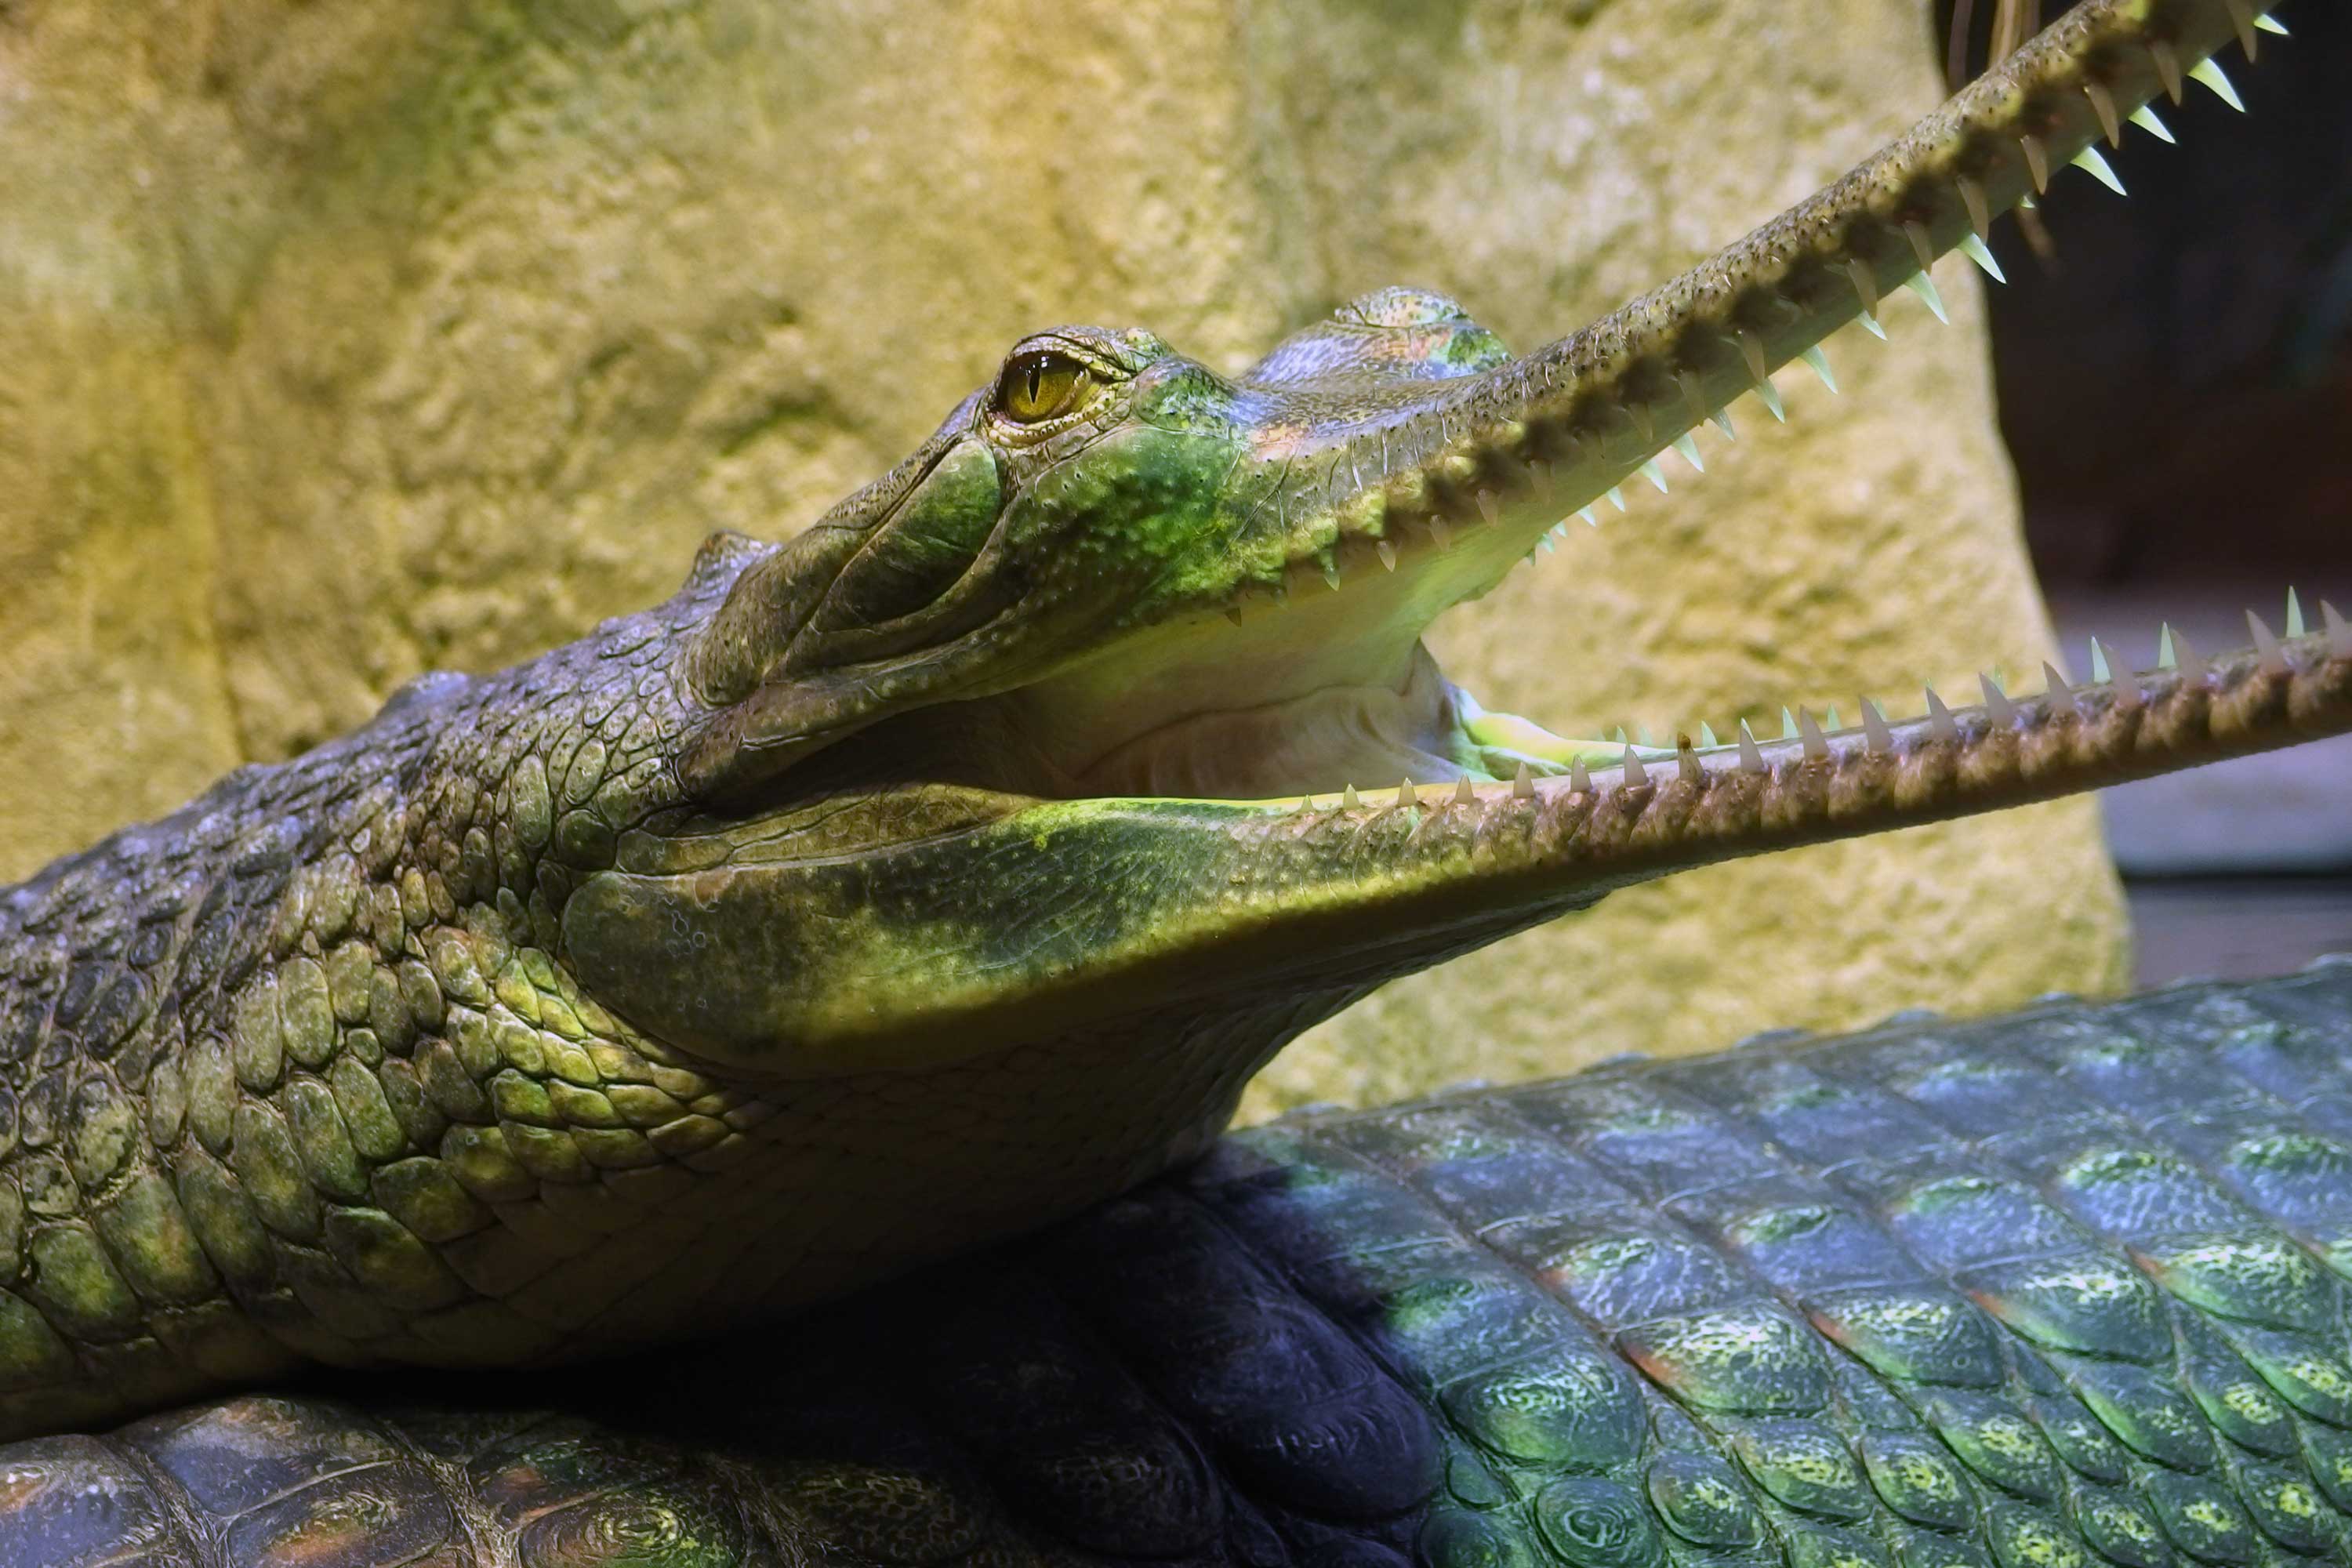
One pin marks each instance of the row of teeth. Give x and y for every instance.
(2208, 72)
(2002, 710)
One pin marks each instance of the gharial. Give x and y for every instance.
(921, 881)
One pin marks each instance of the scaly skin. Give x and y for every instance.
(2056, 1288)
(907, 885)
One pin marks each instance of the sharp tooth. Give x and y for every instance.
(1233, 614)
(1832, 720)
(2294, 627)
(1636, 774)
(2102, 103)
(1487, 507)
(1972, 196)
(1348, 801)
(1688, 447)
(1919, 283)
(1771, 396)
(1654, 474)
(2192, 663)
(1305, 807)
(2054, 688)
(2167, 69)
(2126, 690)
(1558, 531)
(1620, 737)
(2338, 630)
(1706, 735)
(1874, 728)
(1752, 756)
(2145, 118)
(2037, 161)
(2242, 17)
(1580, 777)
(1722, 418)
(1865, 284)
(1617, 498)
(1752, 348)
(1331, 575)
(2210, 75)
(1408, 798)
(2266, 644)
(1998, 709)
(1817, 746)
(1788, 723)
(1642, 734)
(2165, 658)
(1462, 793)
(1940, 718)
(2093, 162)
(1870, 324)
(1441, 533)
(1388, 554)
(1586, 513)
(1921, 245)
(1820, 364)
(1524, 786)
(1687, 760)
(1693, 396)
(2271, 25)
(1976, 250)
(1548, 543)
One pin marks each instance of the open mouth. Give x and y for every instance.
(1339, 692)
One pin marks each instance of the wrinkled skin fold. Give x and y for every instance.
(2068, 1286)
(949, 868)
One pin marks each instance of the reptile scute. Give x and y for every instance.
(267, 1065)
(2062, 1288)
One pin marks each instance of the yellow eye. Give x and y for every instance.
(1039, 385)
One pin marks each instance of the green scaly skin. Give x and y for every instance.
(2067, 1287)
(910, 884)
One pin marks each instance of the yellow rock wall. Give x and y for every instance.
(344, 339)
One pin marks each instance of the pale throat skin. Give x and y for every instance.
(946, 869)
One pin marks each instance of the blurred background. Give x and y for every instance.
(2175, 382)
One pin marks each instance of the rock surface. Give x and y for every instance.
(340, 342)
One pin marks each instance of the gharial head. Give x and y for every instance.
(1073, 717)
(1092, 544)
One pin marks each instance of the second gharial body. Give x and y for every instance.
(950, 866)
(2065, 1287)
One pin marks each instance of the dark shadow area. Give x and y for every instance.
(2175, 374)
(2175, 370)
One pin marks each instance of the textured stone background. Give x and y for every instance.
(348, 339)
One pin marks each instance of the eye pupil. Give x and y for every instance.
(1041, 385)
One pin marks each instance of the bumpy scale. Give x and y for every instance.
(2063, 1289)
